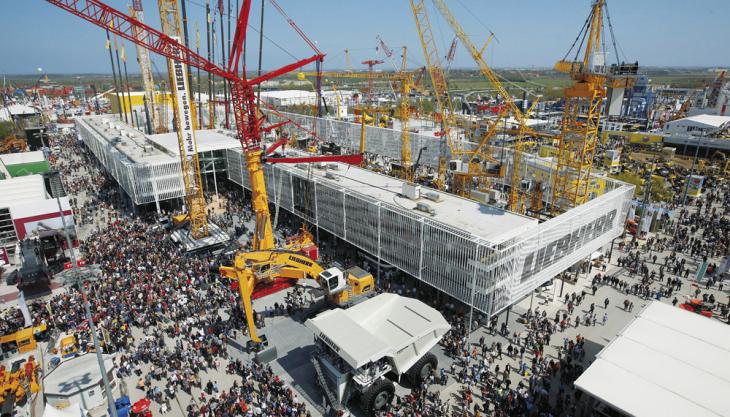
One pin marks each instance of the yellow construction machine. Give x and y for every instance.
(13, 382)
(252, 268)
(24, 339)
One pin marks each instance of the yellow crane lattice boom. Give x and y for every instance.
(189, 162)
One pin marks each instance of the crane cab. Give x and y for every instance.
(332, 281)
(341, 287)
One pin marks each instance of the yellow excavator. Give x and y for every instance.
(251, 268)
(15, 380)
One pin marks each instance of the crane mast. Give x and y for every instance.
(145, 67)
(184, 111)
(582, 113)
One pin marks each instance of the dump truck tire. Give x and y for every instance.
(378, 396)
(422, 369)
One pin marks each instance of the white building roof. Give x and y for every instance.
(22, 157)
(206, 140)
(378, 327)
(488, 222)
(76, 375)
(129, 141)
(703, 120)
(21, 109)
(283, 94)
(667, 362)
(21, 190)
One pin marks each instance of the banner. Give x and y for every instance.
(184, 112)
(695, 185)
(646, 220)
(24, 309)
(569, 238)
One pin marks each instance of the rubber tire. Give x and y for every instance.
(414, 374)
(370, 396)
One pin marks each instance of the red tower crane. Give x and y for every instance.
(371, 63)
(248, 122)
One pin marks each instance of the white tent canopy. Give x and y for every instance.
(667, 362)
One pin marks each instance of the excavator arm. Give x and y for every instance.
(251, 268)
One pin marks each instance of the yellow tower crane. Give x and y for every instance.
(479, 160)
(444, 111)
(582, 114)
(184, 110)
(406, 81)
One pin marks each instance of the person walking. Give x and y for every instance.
(605, 318)
(605, 303)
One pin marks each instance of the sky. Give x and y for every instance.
(529, 33)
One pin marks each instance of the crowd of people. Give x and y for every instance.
(168, 319)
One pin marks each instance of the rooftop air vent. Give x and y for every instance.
(426, 208)
(432, 195)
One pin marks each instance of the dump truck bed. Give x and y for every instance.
(387, 325)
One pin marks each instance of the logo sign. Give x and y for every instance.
(184, 106)
(329, 342)
(79, 263)
(4, 257)
(567, 244)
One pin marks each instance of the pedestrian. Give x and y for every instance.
(605, 303)
(605, 318)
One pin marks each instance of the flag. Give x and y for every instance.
(24, 309)
(108, 44)
(124, 58)
(646, 221)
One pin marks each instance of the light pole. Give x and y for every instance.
(691, 172)
(76, 277)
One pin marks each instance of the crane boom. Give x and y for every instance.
(444, 105)
(145, 67)
(248, 123)
(477, 55)
(242, 89)
(184, 110)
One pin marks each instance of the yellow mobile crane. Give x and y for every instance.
(583, 107)
(246, 112)
(184, 110)
(250, 268)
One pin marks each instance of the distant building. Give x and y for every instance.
(699, 125)
(26, 206)
(289, 97)
(22, 163)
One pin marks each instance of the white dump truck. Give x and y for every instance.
(355, 349)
